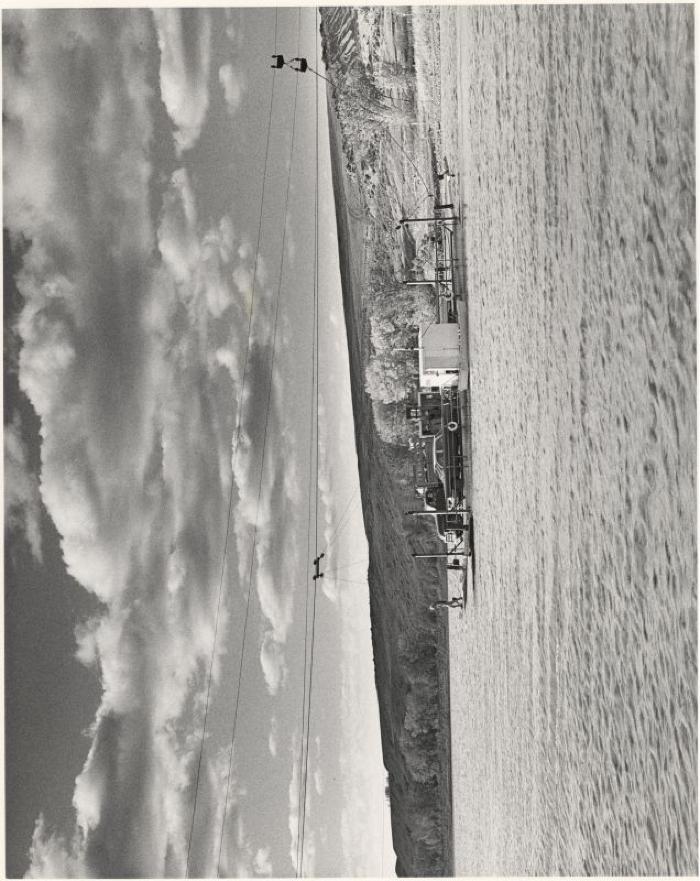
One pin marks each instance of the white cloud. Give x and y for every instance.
(22, 503)
(273, 737)
(319, 781)
(232, 83)
(275, 599)
(199, 263)
(178, 241)
(132, 364)
(261, 862)
(317, 772)
(267, 492)
(53, 856)
(273, 663)
(309, 839)
(315, 783)
(85, 408)
(331, 587)
(119, 360)
(184, 39)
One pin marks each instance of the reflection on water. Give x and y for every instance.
(575, 668)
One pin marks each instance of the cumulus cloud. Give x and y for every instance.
(223, 826)
(200, 262)
(261, 863)
(273, 663)
(178, 241)
(335, 522)
(132, 344)
(129, 362)
(267, 491)
(22, 503)
(232, 83)
(184, 39)
(68, 338)
(55, 857)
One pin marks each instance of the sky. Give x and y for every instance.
(134, 144)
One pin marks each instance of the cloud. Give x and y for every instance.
(199, 261)
(79, 313)
(261, 863)
(22, 503)
(133, 338)
(184, 39)
(233, 84)
(334, 523)
(267, 492)
(318, 770)
(273, 663)
(272, 737)
(309, 856)
(225, 833)
(129, 361)
(319, 781)
(331, 587)
(53, 856)
(178, 241)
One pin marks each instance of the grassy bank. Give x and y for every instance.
(410, 644)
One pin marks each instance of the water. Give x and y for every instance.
(575, 667)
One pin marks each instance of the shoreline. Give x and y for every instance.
(382, 520)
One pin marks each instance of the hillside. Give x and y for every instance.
(410, 643)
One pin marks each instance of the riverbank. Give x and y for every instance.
(411, 646)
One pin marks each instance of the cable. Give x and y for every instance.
(262, 470)
(320, 75)
(230, 498)
(300, 861)
(314, 380)
(308, 550)
(316, 274)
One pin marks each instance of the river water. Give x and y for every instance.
(574, 666)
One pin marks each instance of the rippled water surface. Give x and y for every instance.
(575, 665)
